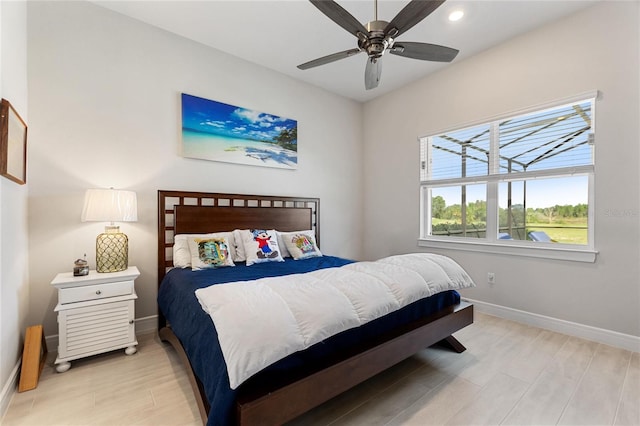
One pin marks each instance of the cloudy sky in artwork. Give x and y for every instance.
(207, 116)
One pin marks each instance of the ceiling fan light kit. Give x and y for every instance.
(377, 37)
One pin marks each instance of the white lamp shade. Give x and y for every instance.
(109, 205)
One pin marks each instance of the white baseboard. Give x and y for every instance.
(144, 325)
(600, 335)
(147, 325)
(8, 390)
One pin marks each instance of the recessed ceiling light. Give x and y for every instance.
(456, 15)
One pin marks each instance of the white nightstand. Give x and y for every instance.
(95, 314)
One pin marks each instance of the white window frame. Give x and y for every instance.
(491, 243)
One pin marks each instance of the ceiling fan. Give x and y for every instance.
(377, 37)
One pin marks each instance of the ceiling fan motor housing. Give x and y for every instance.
(376, 43)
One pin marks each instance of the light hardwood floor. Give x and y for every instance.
(510, 374)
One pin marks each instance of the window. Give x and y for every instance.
(521, 181)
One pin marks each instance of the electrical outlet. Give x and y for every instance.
(491, 277)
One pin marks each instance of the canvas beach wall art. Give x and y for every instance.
(220, 132)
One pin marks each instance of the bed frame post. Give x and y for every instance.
(162, 242)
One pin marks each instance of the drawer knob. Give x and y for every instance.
(130, 321)
(98, 292)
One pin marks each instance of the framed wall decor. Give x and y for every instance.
(221, 132)
(13, 144)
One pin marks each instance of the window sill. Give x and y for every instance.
(515, 248)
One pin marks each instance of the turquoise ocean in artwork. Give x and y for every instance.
(217, 131)
(215, 147)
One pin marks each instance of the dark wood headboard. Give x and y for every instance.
(184, 212)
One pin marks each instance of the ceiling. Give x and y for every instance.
(282, 34)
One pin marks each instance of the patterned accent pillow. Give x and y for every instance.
(182, 253)
(301, 244)
(214, 252)
(260, 246)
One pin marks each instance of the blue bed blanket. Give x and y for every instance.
(197, 333)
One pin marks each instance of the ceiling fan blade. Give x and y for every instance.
(412, 13)
(329, 58)
(337, 14)
(424, 51)
(372, 73)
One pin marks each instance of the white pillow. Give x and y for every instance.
(240, 255)
(182, 253)
(283, 248)
(260, 246)
(301, 244)
(210, 252)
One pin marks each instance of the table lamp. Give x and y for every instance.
(110, 205)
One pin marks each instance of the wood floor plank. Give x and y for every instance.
(534, 355)
(493, 403)
(597, 396)
(629, 408)
(439, 405)
(499, 354)
(555, 386)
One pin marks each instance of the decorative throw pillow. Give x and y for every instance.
(211, 252)
(182, 253)
(301, 244)
(260, 246)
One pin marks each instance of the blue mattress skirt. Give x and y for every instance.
(196, 331)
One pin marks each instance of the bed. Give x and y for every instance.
(302, 380)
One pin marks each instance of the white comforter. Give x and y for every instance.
(262, 321)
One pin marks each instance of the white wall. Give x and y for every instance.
(14, 283)
(104, 104)
(594, 49)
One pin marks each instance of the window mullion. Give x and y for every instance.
(425, 211)
(591, 213)
(492, 186)
(494, 148)
(504, 177)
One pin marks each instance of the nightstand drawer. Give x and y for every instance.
(94, 292)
